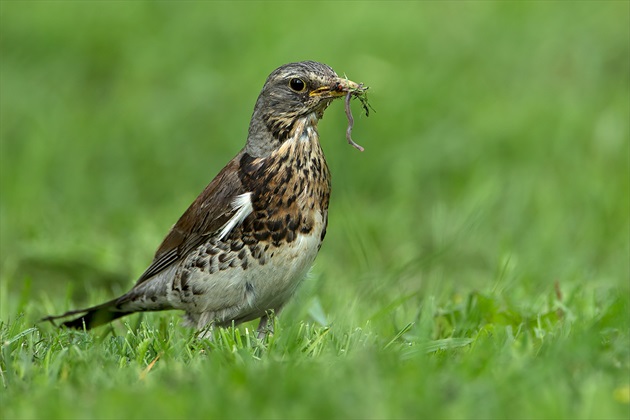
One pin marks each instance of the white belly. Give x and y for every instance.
(242, 294)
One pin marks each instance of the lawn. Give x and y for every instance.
(477, 257)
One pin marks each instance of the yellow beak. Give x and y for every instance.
(339, 87)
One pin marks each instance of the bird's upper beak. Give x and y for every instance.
(339, 87)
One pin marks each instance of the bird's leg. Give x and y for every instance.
(265, 327)
(206, 332)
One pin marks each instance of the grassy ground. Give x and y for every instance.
(476, 264)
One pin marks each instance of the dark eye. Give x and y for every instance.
(297, 85)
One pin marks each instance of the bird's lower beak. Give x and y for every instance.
(339, 87)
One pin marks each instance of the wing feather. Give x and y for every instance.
(209, 215)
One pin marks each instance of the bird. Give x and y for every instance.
(242, 248)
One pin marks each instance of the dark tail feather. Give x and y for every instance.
(92, 317)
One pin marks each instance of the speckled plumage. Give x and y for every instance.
(243, 246)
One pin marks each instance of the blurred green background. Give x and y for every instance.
(496, 159)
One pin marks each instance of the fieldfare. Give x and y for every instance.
(241, 249)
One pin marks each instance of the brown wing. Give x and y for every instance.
(205, 216)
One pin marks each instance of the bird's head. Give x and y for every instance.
(291, 92)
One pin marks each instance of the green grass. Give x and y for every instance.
(477, 257)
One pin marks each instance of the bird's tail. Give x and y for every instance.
(92, 317)
(146, 296)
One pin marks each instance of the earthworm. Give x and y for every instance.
(351, 123)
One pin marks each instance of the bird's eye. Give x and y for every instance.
(297, 85)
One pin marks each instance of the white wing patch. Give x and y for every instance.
(243, 205)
